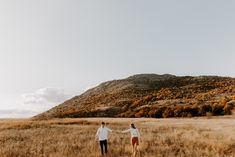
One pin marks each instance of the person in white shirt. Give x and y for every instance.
(135, 138)
(102, 135)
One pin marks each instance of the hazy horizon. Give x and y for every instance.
(52, 50)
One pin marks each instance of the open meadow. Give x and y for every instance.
(194, 137)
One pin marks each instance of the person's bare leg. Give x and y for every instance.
(137, 151)
(134, 150)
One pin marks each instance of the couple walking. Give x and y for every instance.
(102, 135)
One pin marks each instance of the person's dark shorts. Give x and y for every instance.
(135, 141)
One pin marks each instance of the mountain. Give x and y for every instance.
(151, 95)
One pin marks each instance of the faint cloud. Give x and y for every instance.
(16, 113)
(31, 104)
(46, 97)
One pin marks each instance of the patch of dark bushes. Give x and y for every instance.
(190, 110)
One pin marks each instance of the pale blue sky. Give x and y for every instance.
(62, 47)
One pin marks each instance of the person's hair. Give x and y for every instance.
(102, 123)
(133, 126)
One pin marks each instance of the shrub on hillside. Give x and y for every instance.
(203, 109)
(228, 108)
(151, 113)
(168, 112)
(217, 109)
(156, 112)
(191, 110)
(159, 112)
(178, 110)
(140, 113)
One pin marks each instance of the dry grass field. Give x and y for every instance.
(195, 137)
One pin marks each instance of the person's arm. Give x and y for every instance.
(125, 131)
(109, 130)
(97, 134)
(140, 140)
(138, 133)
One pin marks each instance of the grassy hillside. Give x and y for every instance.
(151, 95)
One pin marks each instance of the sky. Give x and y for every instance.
(52, 50)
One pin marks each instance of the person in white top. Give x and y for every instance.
(102, 135)
(135, 138)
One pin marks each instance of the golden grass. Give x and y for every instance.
(193, 137)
